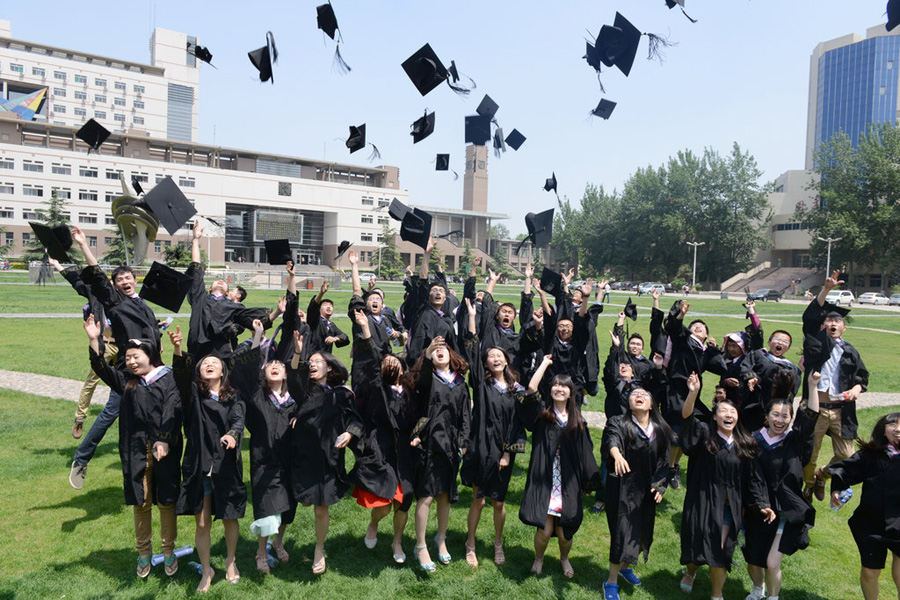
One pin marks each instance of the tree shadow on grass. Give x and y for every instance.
(69, 452)
(96, 504)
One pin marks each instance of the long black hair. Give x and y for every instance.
(509, 373)
(744, 444)
(226, 393)
(782, 390)
(664, 434)
(149, 348)
(575, 422)
(338, 374)
(879, 442)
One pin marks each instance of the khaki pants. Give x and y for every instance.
(90, 384)
(143, 519)
(829, 422)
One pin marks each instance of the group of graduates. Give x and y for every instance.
(458, 405)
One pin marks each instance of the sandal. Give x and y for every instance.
(143, 566)
(280, 553)
(470, 555)
(171, 564)
(237, 575)
(444, 559)
(319, 567)
(262, 564)
(687, 582)
(499, 556)
(567, 569)
(427, 567)
(537, 566)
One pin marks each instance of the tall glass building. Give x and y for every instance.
(853, 82)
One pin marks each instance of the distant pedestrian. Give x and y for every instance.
(606, 291)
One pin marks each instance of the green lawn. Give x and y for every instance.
(60, 542)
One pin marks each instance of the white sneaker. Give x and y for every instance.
(76, 475)
(757, 593)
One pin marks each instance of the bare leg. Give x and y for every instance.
(674, 455)
(232, 533)
(400, 519)
(541, 537)
(564, 547)
(378, 513)
(322, 519)
(423, 507)
(868, 581)
(717, 580)
(201, 540)
(443, 518)
(614, 572)
(773, 568)
(474, 516)
(895, 572)
(757, 575)
(499, 522)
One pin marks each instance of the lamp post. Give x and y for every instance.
(694, 275)
(830, 241)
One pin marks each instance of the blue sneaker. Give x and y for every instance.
(629, 576)
(610, 591)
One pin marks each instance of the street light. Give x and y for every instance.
(830, 241)
(694, 275)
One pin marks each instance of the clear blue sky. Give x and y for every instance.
(740, 74)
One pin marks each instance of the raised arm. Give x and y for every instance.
(830, 283)
(539, 374)
(292, 279)
(813, 383)
(195, 240)
(426, 258)
(693, 384)
(492, 281)
(80, 239)
(529, 273)
(353, 258)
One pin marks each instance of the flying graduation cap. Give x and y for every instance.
(515, 139)
(426, 71)
(487, 107)
(327, 22)
(422, 127)
(169, 205)
(201, 52)
(278, 251)
(478, 129)
(442, 163)
(550, 185)
(415, 224)
(357, 141)
(540, 229)
(893, 14)
(671, 4)
(617, 45)
(93, 134)
(550, 280)
(165, 286)
(343, 247)
(604, 109)
(263, 58)
(499, 142)
(55, 240)
(630, 310)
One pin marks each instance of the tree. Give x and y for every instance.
(465, 260)
(498, 232)
(387, 260)
(53, 214)
(5, 249)
(179, 254)
(116, 250)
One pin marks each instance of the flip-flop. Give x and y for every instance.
(499, 555)
(687, 582)
(568, 571)
(319, 567)
(143, 566)
(171, 564)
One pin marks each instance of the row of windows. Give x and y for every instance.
(61, 93)
(788, 227)
(369, 219)
(30, 214)
(370, 201)
(37, 166)
(368, 237)
(62, 76)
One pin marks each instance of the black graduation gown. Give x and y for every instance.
(687, 357)
(443, 428)
(131, 318)
(877, 518)
(205, 421)
(659, 339)
(782, 468)
(763, 365)
(148, 414)
(578, 469)
(496, 428)
(618, 390)
(73, 276)
(270, 448)
(319, 329)
(430, 325)
(384, 457)
(323, 413)
(517, 344)
(284, 349)
(713, 479)
(630, 506)
(568, 358)
(640, 364)
(378, 330)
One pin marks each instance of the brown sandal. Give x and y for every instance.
(262, 564)
(567, 569)
(280, 553)
(471, 558)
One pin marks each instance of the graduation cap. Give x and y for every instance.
(426, 71)
(478, 129)
(550, 280)
(515, 139)
(327, 22)
(93, 134)
(422, 127)
(357, 141)
(605, 109)
(540, 229)
(279, 251)
(672, 3)
(631, 310)
(893, 13)
(834, 311)
(397, 209)
(262, 58)
(617, 45)
(201, 53)
(442, 163)
(550, 184)
(169, 205)
(56, 240)
(343, 247)
(165, 286)
(416, 227)
(675, 311)
(487, 107)
(499, 142)
(136, 184)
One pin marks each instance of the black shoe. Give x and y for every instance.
(675, 477)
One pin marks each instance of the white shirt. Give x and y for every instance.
(831, 371)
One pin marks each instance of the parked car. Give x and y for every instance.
(894, 300)
(873, 298)
(765, 295)
(648, 287)
(839, 297)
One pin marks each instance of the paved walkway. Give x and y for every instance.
(69, 389)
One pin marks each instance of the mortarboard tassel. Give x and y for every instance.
(339, 63)
(375, 153)
(453, 78)
(688, 16)
(455, 174)
(657, 46)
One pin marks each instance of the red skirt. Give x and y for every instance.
(370, 500)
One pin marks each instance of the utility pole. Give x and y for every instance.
(830, 241)
(694, 275)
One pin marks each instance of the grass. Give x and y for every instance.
(60, 542)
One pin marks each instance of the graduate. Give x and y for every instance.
(382, 474)
(636, 450)
(497, 435)
(212, 484)
(270, 408)
(562, 467)
(783, 450)
(433, 319)
(149, 440)
(324, 422)
(875, 523)
(323, 333)
(720, 469)
(440, 436)
(383, 336)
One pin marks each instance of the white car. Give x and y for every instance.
(839, 297)
(894, 300)
(873, 298)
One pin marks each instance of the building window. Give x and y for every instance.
(80, 95)
(379, 238)
(109, 221)
(38, 72)
(7, 213)
(382, 203)
(92, 241)
(114, 175)
(59, 92)
(284, 188)
(100, 83)
(87, 219)
(365, 237)
(119, 86)
(17, 68)
(875, 281)
(10, 237)
(138, 89)
(119, 118)
(142, 177)
(31, 215)
(63, 193)
(367, 219)
(88, 195)
(157, 246)
(61, 169)
(7, 163)
(100, 98)
(110, 196)
(138, 104)
(119, 101)
(7, 188)
(26, 238)
(87, 171)
(80, 112)
(99, 114)
(59, 108)
(34, 167)
(59, 75)
(384, 220)
(109, 240)
(187, 182)
(30, 190)
(80, 79)
(366, 201)
(138, 120)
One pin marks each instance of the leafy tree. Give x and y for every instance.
(5, 249)
(437, 258)
(498, 232)
(466, 259)
(179, 254)
(115, 251)
(53, 214)
(390, 265)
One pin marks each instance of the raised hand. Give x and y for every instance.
(614, 338)
(655, 294)
(833, 281)
(78, 236)
(352, 257)
(258, 326)
(175, 337)
(289, 267)
(360, 318)
(693, 382)
(198, 229)
(529, 271)
(92, 328)
(494, 276)
(470, 307)
(298, 343)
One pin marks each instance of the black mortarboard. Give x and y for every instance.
(604, 109)
(169, 205)
(631, 310)
(93, 134)
(425, 69)
(540, 227)
(56, 240)
(893, 12)
(422, 127)
(442, 162)
(478, 130)
(326, 19)
(397, 209)
(454, 233)
(515, 139)
(487, 108)
(416, 227)
(676, 309)
(618, 44)
(136, 184)
(833, 311)
(550, 184)
(201, 53)
(550, 280)
(343, 247)
(499, 142)
(357, 139)
(262, 58)
(279, 251)
(165, 286)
